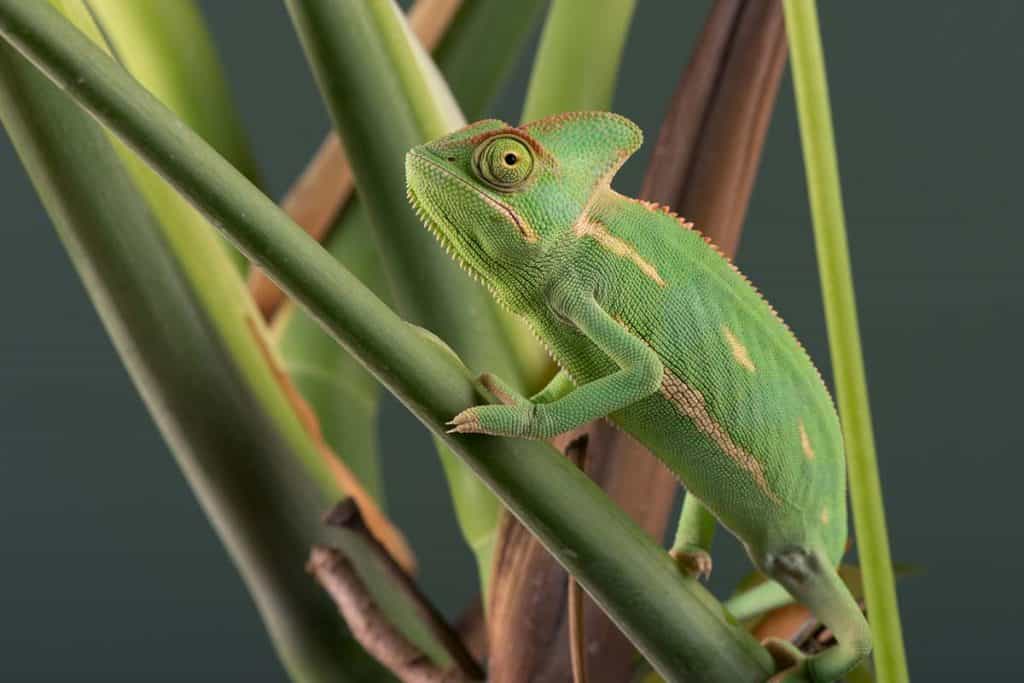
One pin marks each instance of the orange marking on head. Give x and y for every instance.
(739, 351)
(825, 517)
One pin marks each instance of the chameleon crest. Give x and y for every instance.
(654, 329)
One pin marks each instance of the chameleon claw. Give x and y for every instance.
(465, 422)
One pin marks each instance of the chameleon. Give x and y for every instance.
(655, 329)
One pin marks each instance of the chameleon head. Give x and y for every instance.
(502, 198)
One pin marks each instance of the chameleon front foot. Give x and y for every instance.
(522, 421)
(518, 417)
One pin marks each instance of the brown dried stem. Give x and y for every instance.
(704, 165)
(346, 516)
(369, 625)
(323, 188)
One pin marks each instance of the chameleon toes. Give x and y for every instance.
(695, 563)
(465, 422)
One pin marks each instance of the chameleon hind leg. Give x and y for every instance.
(691, 549)
(812, 580)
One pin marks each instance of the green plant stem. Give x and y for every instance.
(481, 47)
(841, 314)
(675, 623)
(578, 57)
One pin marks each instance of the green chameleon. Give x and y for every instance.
(655, 329)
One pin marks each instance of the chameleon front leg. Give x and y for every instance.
(639, 375)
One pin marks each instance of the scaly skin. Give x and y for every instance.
(657, 331)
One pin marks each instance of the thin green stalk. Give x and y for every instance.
(844, 338)
(578, 57)
(675, 623)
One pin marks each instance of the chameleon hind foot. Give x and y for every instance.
(692, 545)
(692, 561)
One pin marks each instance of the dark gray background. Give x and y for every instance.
(109, 571)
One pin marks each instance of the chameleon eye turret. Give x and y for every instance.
(504, 162)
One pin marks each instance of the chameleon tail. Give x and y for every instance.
(812, 579)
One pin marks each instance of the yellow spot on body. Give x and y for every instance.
(805, 442)
(825, 516)
(691, 403)
(589, 227)
(739, 351)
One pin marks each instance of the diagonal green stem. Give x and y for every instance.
(674, 622)
(844, 338)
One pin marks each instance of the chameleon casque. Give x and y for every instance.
(655, 329)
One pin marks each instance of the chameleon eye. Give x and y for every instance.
(504, 162)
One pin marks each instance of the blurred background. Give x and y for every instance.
(109, 571)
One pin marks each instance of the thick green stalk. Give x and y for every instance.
(844, 337)
(578, 57)
(229, 447)
(362, 52)
(675, 622)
